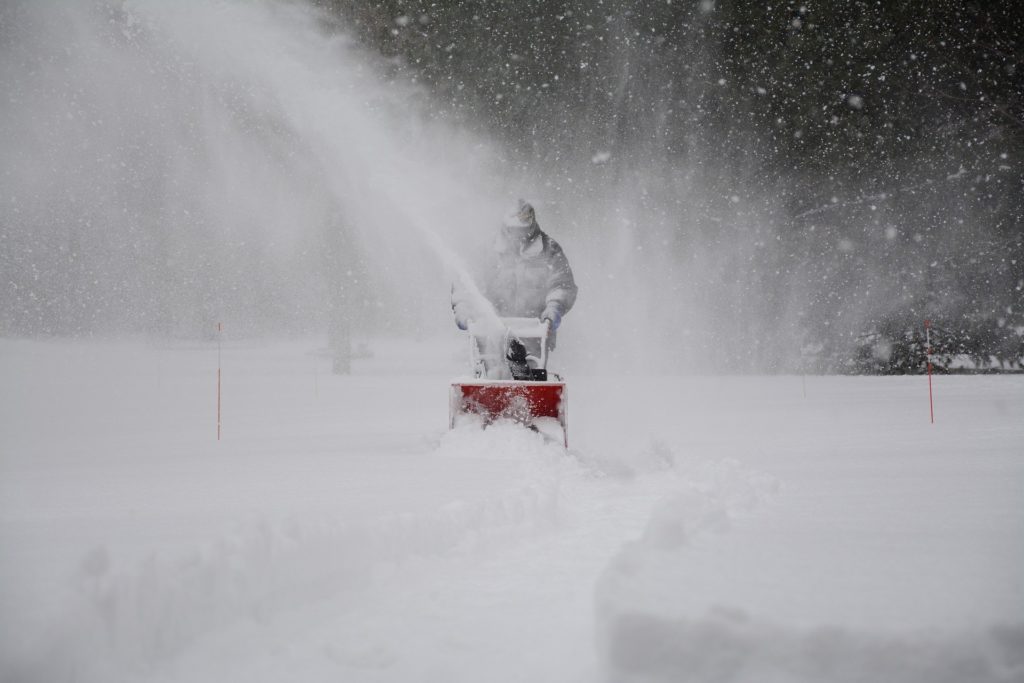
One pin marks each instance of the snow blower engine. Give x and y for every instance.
(511, 379)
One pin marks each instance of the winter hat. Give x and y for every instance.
(520, 215)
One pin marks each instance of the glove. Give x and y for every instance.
(552, 315)
(462, 314)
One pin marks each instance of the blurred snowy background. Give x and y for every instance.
(758, 187)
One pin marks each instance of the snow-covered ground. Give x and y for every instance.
(706, 529)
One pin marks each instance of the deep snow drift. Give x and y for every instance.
(698, 529)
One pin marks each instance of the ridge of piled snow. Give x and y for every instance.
(730, 645)
(648, 631)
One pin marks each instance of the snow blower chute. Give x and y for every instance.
(511, 379)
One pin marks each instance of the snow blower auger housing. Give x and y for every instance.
(511, 379)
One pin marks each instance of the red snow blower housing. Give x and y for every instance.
(511, 379)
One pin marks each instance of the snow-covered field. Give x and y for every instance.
(706, 529)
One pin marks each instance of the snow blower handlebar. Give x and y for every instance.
(530, 328)
(507, 329)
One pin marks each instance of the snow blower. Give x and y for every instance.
(511, 379)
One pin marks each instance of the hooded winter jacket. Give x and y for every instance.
(524, 279)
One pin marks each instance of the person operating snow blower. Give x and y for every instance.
(530, 286)
(528, 276)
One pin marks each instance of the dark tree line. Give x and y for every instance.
(871, 152)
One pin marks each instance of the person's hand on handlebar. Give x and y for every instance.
(552, 317)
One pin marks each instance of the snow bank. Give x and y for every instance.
(645, 632)
(127, 619)
(730, 645)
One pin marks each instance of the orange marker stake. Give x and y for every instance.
(928, 353)
(219, 335)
